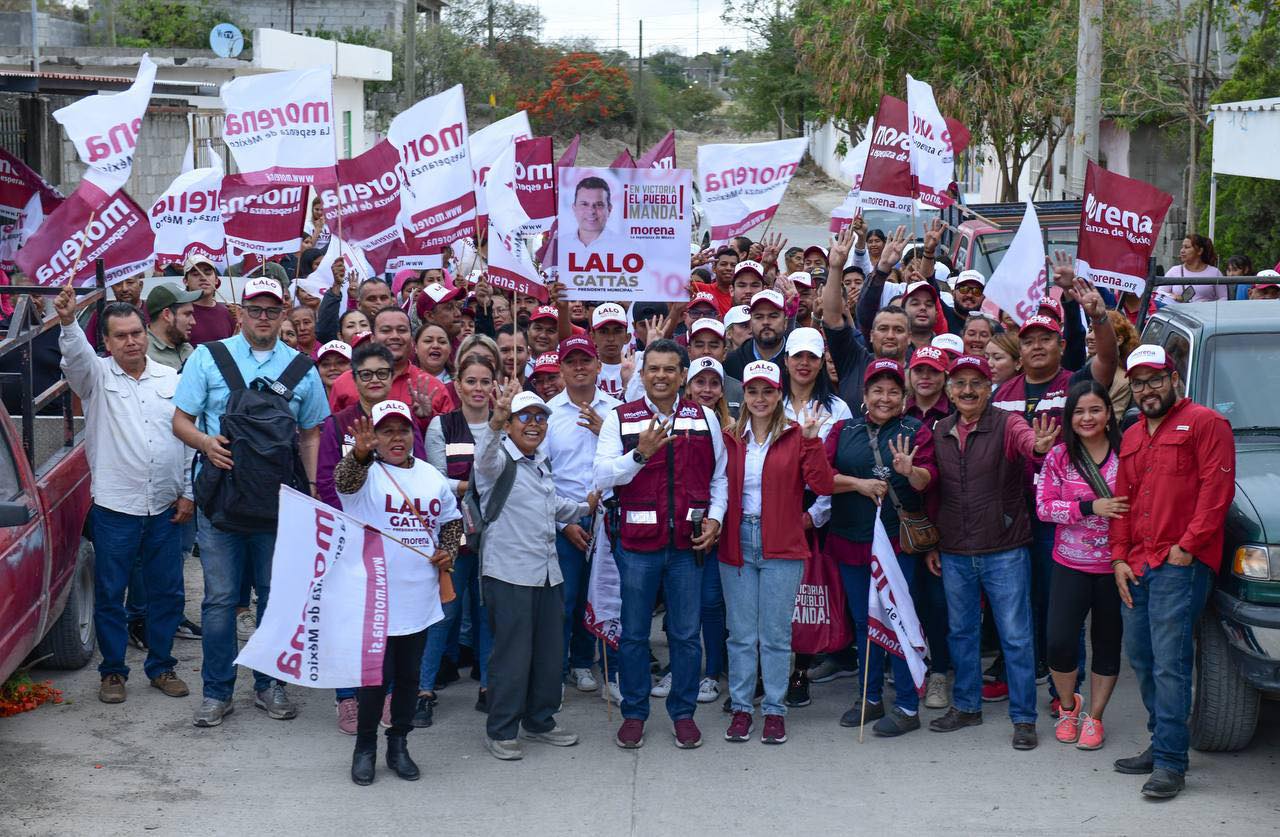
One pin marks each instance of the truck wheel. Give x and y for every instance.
(71, 641)
(1224, 713)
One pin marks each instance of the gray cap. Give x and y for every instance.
(166, 295)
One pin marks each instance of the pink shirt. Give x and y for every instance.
(1081, 543)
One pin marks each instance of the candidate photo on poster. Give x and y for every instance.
(593, 209)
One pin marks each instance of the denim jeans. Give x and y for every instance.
(1005, 578)
(226, 557)
(857, 586)
(641, 574)
(713, 618)
(759, 599)
(579, 644)
(135, 602)
(464, 580)
(117, 540)
(1158, 632)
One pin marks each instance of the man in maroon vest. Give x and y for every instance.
(665, 460)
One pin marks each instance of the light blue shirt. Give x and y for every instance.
(203, 393)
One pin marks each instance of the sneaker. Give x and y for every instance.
(708, 690)
(662, 688)
(995, 692)
(829, 669)
(853, 716)
(896, 723)
(739, 728)
(688, 737)
(611, 692)
(188, 630)
(955, 719)
(447, 673)
(482, 701)
(1055, 708)
(275, 702)
(385, 720)
(171, 684)
(557, 736)
(1042, 673)
(995, 671)
(348, 715)
(631, 734)
(798, 690)
(583, 680)
(424, 711)
(246, 624)
(211, 712)
(504, 750)
(112, 689)
(138, 634)
(1091, 733)
(935, 692)
(775, 730)
(1067, 728)
(1024, 737)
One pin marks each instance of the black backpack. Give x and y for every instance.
(264, 449)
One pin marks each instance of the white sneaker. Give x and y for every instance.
(663, 687)
(612, 694)
(708, 690)
(246, 624)
(935, 694)
(583, 680)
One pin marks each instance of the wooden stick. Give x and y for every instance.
(515, 376)
(866, 664)
(446, 581)
(604, 661)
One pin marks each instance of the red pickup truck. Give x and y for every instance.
(46, 558)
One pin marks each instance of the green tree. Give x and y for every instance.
(167, 24)
(771, 87)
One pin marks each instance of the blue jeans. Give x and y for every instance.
(579, 644)
(117, 540)
(226, 557)
(759, 598)
(642, 573)
(135, 603)
(464, 580)
(1005, 577)
(857, 586)
(1158, 633)
(713, 618)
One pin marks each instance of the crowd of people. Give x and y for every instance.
(1031, 478)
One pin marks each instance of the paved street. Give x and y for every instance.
(140, 767)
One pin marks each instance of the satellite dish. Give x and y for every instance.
(226, 40)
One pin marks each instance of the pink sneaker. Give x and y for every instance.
(688, 737)
(1091, 733)
(739, 728)
(775, 730)
(1067, 729)
(347, 716)
(386, 712)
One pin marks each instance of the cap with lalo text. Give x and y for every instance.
(610, 312)
(545, 312)
(1040, 321)
(547, 362)
(262, 286)
(762, 370)
(384, 410)
(930, 356)
(749, 266)
(335, 347)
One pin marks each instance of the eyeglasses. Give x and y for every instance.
(257, 312)
(976, 386)
(367, 375)
(1156, 382)
(536, 418)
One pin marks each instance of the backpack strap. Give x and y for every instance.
(295, 371)
(501, 491)
(226, 365)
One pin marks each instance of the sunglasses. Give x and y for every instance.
(258, 312)
(536, 418)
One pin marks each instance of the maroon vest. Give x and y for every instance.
(982, 499)
(459, 445)
(657, 504)
(1012, 396)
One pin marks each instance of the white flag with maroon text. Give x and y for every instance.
(439, 200)
(187, 218)
(891, 615)
(510, 262)
(279, 126)
(1019, 280)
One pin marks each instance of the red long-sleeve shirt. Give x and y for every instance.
(1180, 482)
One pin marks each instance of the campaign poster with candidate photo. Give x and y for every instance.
(624, 233)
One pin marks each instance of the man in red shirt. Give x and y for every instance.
(1177, 468)
(409, 384)
(722, 267)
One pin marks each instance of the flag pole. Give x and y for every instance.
(604, 661)
(515, 376)
(862, 724)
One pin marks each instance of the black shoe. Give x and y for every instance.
(995, 671)
(188, 630)
(1042, 673)
(1024, 737)
(398, 758)
(654, 665)
(798, 690)
(955, 719)
(475, 672)
(362, 765)
(727, 706)
(424, 711)
(447, 674)
(482, 701)
(1136, 765)
(1163, 784)
(466, 657)
(896, 723)
(138, 634)
(853, 717)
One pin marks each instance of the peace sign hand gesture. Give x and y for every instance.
(773, 244)
(655, 437)
(904, 454)
(502, 404)
(366, 441)
(1046, 430)
(893, 247)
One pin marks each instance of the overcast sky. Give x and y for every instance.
(687, 26)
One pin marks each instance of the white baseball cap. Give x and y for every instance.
(805, 340)
(770, 297)
(970, 276)
(802, 277)
(751, 266)
(762, 370)
(737, 315)
(702, 364)
(707, 324)
(610, 312)
(260, 285)
(385, 409)
(525, 400)
(949, 343)
(1150, 356)
(336, 347)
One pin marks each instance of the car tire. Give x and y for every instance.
(1224, 712)
(71, 641)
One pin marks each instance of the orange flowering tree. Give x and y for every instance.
(581, 92)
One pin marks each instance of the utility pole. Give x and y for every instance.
(490, 24)
(110, 7)
(697, 27)
(410, 52)
(35, 38)
(640, 91)
(1088, 111)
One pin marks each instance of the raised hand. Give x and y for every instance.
(774, 244)
(1046, 430)
(655, 437)
(859, 227)
(502, 404)
(1088, 297)
(1064, 270)
(787, 288)
(657, 327)
(904, 454)
(932, 237)
(590, 419)
(65, 304)
(893, 247)
(810, 423)
(555, 292)
(483, 291)
(420, 396)
(839, 252)
(628, 366)
(366, 441)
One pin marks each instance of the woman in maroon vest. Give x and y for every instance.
(770, 460)
(451, 449)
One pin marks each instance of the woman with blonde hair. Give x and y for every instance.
(1004, 356)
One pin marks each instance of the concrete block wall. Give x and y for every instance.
(157, 162)
(319, 15)
(15, 30)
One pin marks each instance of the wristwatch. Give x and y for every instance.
(639, 457)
